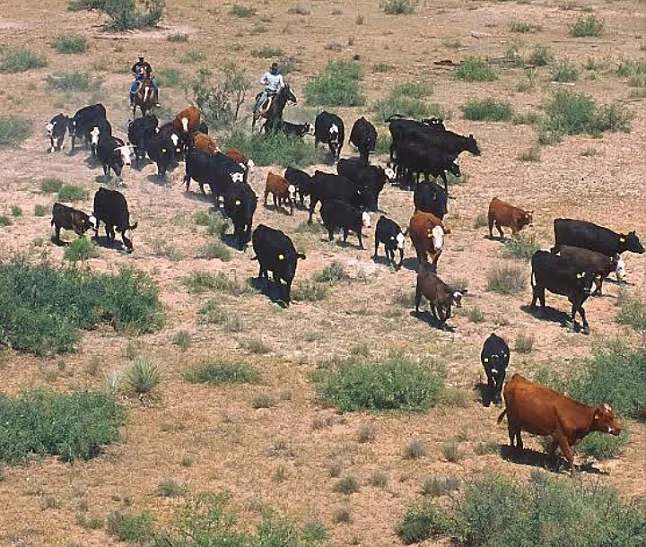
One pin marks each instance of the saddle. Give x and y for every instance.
(265, 106)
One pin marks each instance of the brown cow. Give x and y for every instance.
(70, 219)
(542, 411)
(440, 296)
(281, 190)
(188, 120)
(597, 262)
(239, 157)
(427, 232)
(503, 214)
(205, 143)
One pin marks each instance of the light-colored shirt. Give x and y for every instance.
(275, 81)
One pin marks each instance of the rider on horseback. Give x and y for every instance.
(142, 70)
(273, 82)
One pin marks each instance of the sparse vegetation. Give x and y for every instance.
(14, 130)
(51, 186)
(342, 515)
(347, 485)
(522, 246)
(192, 56)
(524, 342)
(532, 154)
(524, 28)
(489, 110)
(268, 52)
(170, 488)
(475, 69)
(332, 273)
(177, 37)
(5, 221)
(40, 210)
(16, 211)
(80, 249)
(182, 340)
(434, 487)
(451, 452)
(263, 400)
(407, 99)
(130, 527)
(378, 480)
(541, 56)
(338, 85)
(397, 7)
(506, 279)
(310, 291)
(240, 11)
(587, 26)
(564, 71)
(632, 311)
(415, 449)
(527, 118)
(21, 60)
(70, 44)
(69, 192)
(169, 77)
(221, 372)
(216, 249)
(366, 434)
(202, 281)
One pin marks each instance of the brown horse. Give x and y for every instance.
(273, 114)
(144, 98)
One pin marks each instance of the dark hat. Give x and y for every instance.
(274, 65)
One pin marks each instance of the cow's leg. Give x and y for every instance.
(446, 183)
(418, 298)
(360, 236)
(266, 196)
(491, 390)
(312, 205)
(345, 235)
(564, 445)
(498, 227)
(330, 234)
(57, 228)
(499, 382)
(599, 289)
(586, 327)
(491, 221)
(377, 248)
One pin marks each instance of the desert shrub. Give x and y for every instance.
(602, 446)
(451, 452)
(80, 249)
(632, 311)
(587, 26)
(414, 89)
(5, 221)
(415, 449)
(201, 281)
(71, 81)
(42, 423)
(177, 37)
(216, 249)
(21, 60)
(434, 487)
(125, 16)
(240, 11)
(611, 117)
(263, 400)
(69, 192)
(81, 5)
(276, 148)
(475, 315)
(480, 221)
(346, 485)
(141, 379)
(14, 130)
(488, 110)
(533, 153)
(40, 210)
(475, 69)
(332, 273)
(212, 313)
(70, 43)
(170, 488)
(168, 77)
(527, 118)
(564, 71)
(310, 291)
(506, 279)
(397, 7)
(378, 480)
(524, 342)
(422, 522)
(267, 52)
(220, 103)
(130, 527)
(45, 306)
(51, 185)
(182, 340)
(338, 85)
(218, 372)
(523, 246)
(523, 28)
(541, 56)
(397, 382)
(366, 434)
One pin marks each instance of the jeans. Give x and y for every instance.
(262, 98)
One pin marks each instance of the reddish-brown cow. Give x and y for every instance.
(205, 143)
(542, 411)
(282, 191)
(503, 214)
(239, 157)
(427, 232)
(188, 120)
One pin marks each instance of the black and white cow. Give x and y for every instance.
(329, 129)
(276, 253)
(113, 154)
(370, 178)
(297, 129)
(160, 151)
(99, 130)
(364, 137)
(240, 202)
(56, 129)
(330, 186)
(111, 208)
(430, 198)
(300, 179)
(495, 359)
(84, 120)
(390, 234)
(579, 233)
(140, 131)
(217, 170)
(341, 215)
(181, 140)
(556, 274)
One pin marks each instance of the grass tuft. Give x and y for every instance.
(21, 60)
(218, 372)
(346, 485)
(522, 246)
(564, 71)
(587, 26)
(397, 7)
(415, 449)
(70, 44)
(632, 311)
(541, 56)
(434, 487)
(310, 291)
(506, 279)
(332, 273)
(69, 192)
(267, 52)
(170, 488)
(80, 249)
(177, 37)
(51, 185)
(141, 379)
(475, 69)
(524, 342)
(14, 130)
(237, 10)
(489, 110)
(338, 85)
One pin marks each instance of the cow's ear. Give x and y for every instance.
(597, 414)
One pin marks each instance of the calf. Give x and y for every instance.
(502, 214)
(240, 203)
(414, 158)
(390, 234)
(56, 129)
(370, 178)
(160, 150)
(281, 190)
(111, 207)
(540, 410)
(99, 130)
(70, 219)
(297, 129)
(329, 129)
(181, 140)
(339, 214)
(84, 120)
(216, 170)
(113, 154)
(301, 181)
(364, 137)
(140, 131)
(188, 120)
(597, 262)
(275, 253)
(329, 186)
(205, 143)
(494, 358)
(559, 276)
(430, 197)
(440, 296)
(580, 233)
(427, 233)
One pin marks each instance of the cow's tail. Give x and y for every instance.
(502, 415)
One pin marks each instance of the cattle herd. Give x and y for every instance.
(583, 255)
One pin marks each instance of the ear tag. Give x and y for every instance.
(622, 239)
(281, 257)
(486, 359)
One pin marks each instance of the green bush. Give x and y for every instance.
(217, 372)
(42, 423)
(611, 117)
(44, 306)
(506, 279)
(14, 130)
(602, 446)
(588, 26)
(125, 16)
(276, 148)
(69, 192)
(168, 77)
(80, 249)
(397, 7)
(332, 273)
(564, 71)
(541, 56)
(632, 311)
(242, 11)
(133, 528)
(475, 69)
(523, 246)
(21, 60)
(397, 382)
(71, 81)
(40, 210)
(267, 52)
(346, 485)
(310, 291)
(338, 85)
(51, 185)
(70, 43)
(422, 522)
(177, 37)
(487, 110)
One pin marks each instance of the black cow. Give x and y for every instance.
(341, 215)
(494, 358)
(329, 129)
(430, 198)
(217, 170)
(558, 275)
(418, 157)
(111, 207)
(70, 219)
(56, 129)
(113, 154)
(300, 179)
(296, 129)
(181, 140)
(100, 129)
(390, 234)
(240, 203)
(364, 137)
(84, 120)
(329, 186)
(370, 178)
(579, 233)
(160, 151)
(275, 253)
(432, 135)
(140, 131)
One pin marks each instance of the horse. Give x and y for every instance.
(274, 113)
(144, 97)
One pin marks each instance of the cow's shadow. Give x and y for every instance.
(383, 260)
(547, 314)
(198, 196)
(231, 241)
(141, 164)
(109, 180)
(533, 458)
(427, 317)
(105, 243)
(411, 264)
(268, 289)
(485, 396)
(160, 180)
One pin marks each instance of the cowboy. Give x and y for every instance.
(140, 70)
(273, 82)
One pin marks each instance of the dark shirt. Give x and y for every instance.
(142, 66)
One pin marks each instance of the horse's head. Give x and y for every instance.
(289, 94)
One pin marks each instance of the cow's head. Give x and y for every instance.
(50, 128)
(620, 267)
(365, 219)
(524, 218)
(399, 238)
(454, 167)
(94, 136)
(456, 297)
(292, 192)
(436, 235)
(584, 281)
(92, 222)
(472, 146)
(605, 420)
(126, 152)
(237, 177)
(309, 128)
(389, 172)
(630, 242)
